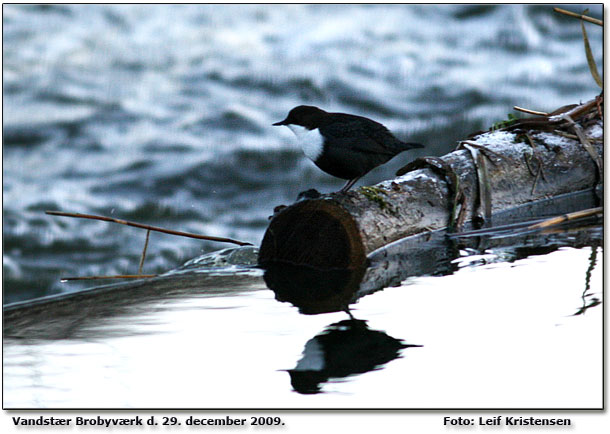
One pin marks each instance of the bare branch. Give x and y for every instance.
(150, 228)
(582, 17)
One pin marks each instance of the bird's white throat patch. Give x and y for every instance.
(310, 141)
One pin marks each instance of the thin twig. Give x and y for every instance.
(531, 112)
(566, 135)
(151, 228)
(486, 151)
(590, 58)
(144, 252)
(575, 137)
(586, 144)
(478, 159)
(599, 108)
(119, 276)
(536, 178)
(575, 112)
(538, 159)
(527, 164)
(567, 217)
(582, 17)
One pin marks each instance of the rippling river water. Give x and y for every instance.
(162, 114)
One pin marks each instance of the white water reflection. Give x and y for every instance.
(497, 335)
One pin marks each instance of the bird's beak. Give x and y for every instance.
(280, 123)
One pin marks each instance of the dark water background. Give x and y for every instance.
(162, 114)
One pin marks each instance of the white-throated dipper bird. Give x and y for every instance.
(343, 145)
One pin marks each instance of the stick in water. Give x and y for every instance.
(118, 276)
(144, 252)
(150, 228)
(567, 217)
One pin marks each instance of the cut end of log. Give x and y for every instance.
(316, 233)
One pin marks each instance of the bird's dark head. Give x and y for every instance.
(304, 115)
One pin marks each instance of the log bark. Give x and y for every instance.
(497, 171)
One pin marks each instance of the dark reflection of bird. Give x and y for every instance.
(343, 145)
(344, 348)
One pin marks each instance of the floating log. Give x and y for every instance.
(314, 291)
(528, 160)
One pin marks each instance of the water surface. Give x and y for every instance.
(162, 114)
(491, 335)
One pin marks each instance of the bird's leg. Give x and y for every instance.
(347, 311)
(349, 184)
